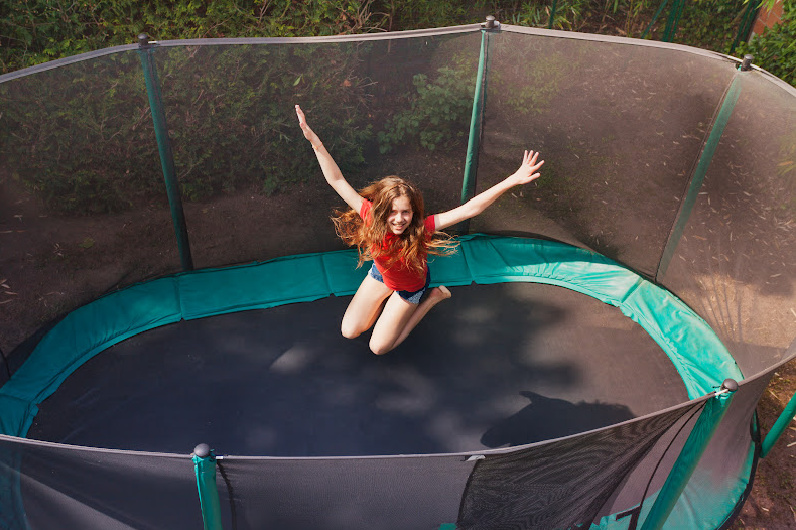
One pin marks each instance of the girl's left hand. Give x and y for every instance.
(528, 171)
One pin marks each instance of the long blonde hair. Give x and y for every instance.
(413, 245)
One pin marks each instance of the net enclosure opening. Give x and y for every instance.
(176, 281)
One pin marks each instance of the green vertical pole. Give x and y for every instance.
(752, 8)
(692, 451)
(677, 19)
(204, 465)
(473, 144)
(552, 15)
(164, 147)
(788, 415)
(673, 20)
(669, 21)
(655, 18)
(705, 157)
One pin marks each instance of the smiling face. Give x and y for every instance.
(400, 216)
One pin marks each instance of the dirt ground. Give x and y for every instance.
(772, 503)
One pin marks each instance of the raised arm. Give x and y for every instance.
(331, 171)
(527, 172)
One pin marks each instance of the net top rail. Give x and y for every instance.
(468, 28)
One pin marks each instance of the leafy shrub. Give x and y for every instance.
(712, 24)
(775, 49)
(234, 121)
(530, 91)
(35, 31)
(569, 14)
(81, 136)
(412, 14)
(438, 114)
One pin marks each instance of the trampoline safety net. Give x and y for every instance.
(664, 162)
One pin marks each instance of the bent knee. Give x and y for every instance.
(350, 332)
(380, 348)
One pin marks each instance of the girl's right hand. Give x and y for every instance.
(308, 133)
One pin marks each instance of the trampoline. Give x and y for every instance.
(582, 362)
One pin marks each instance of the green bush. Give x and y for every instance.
(236, 125)
(81, 136)
(569, 14)
(416, 14)
(711, 24)
(775, 50)
(36, 31)
(530, 91)
(438, 115)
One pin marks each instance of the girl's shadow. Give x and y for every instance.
(548, 418)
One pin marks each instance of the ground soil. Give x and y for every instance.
(772, 502)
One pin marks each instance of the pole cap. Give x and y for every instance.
(143, 39)
(490, 22)
(202, 450)
(746, 65)
(730, 385)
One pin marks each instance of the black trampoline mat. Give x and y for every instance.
(495, 365)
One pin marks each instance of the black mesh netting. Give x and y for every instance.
(56, 486)
(559, 485)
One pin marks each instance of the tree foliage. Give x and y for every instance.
(81, 135)
(35, 31)
(775, 49)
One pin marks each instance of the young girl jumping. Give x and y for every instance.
(387, 224)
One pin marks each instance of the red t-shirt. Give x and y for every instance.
(398, 277)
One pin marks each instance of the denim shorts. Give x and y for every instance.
(413, 297)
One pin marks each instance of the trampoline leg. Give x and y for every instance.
(779, 426)
(204, 464)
